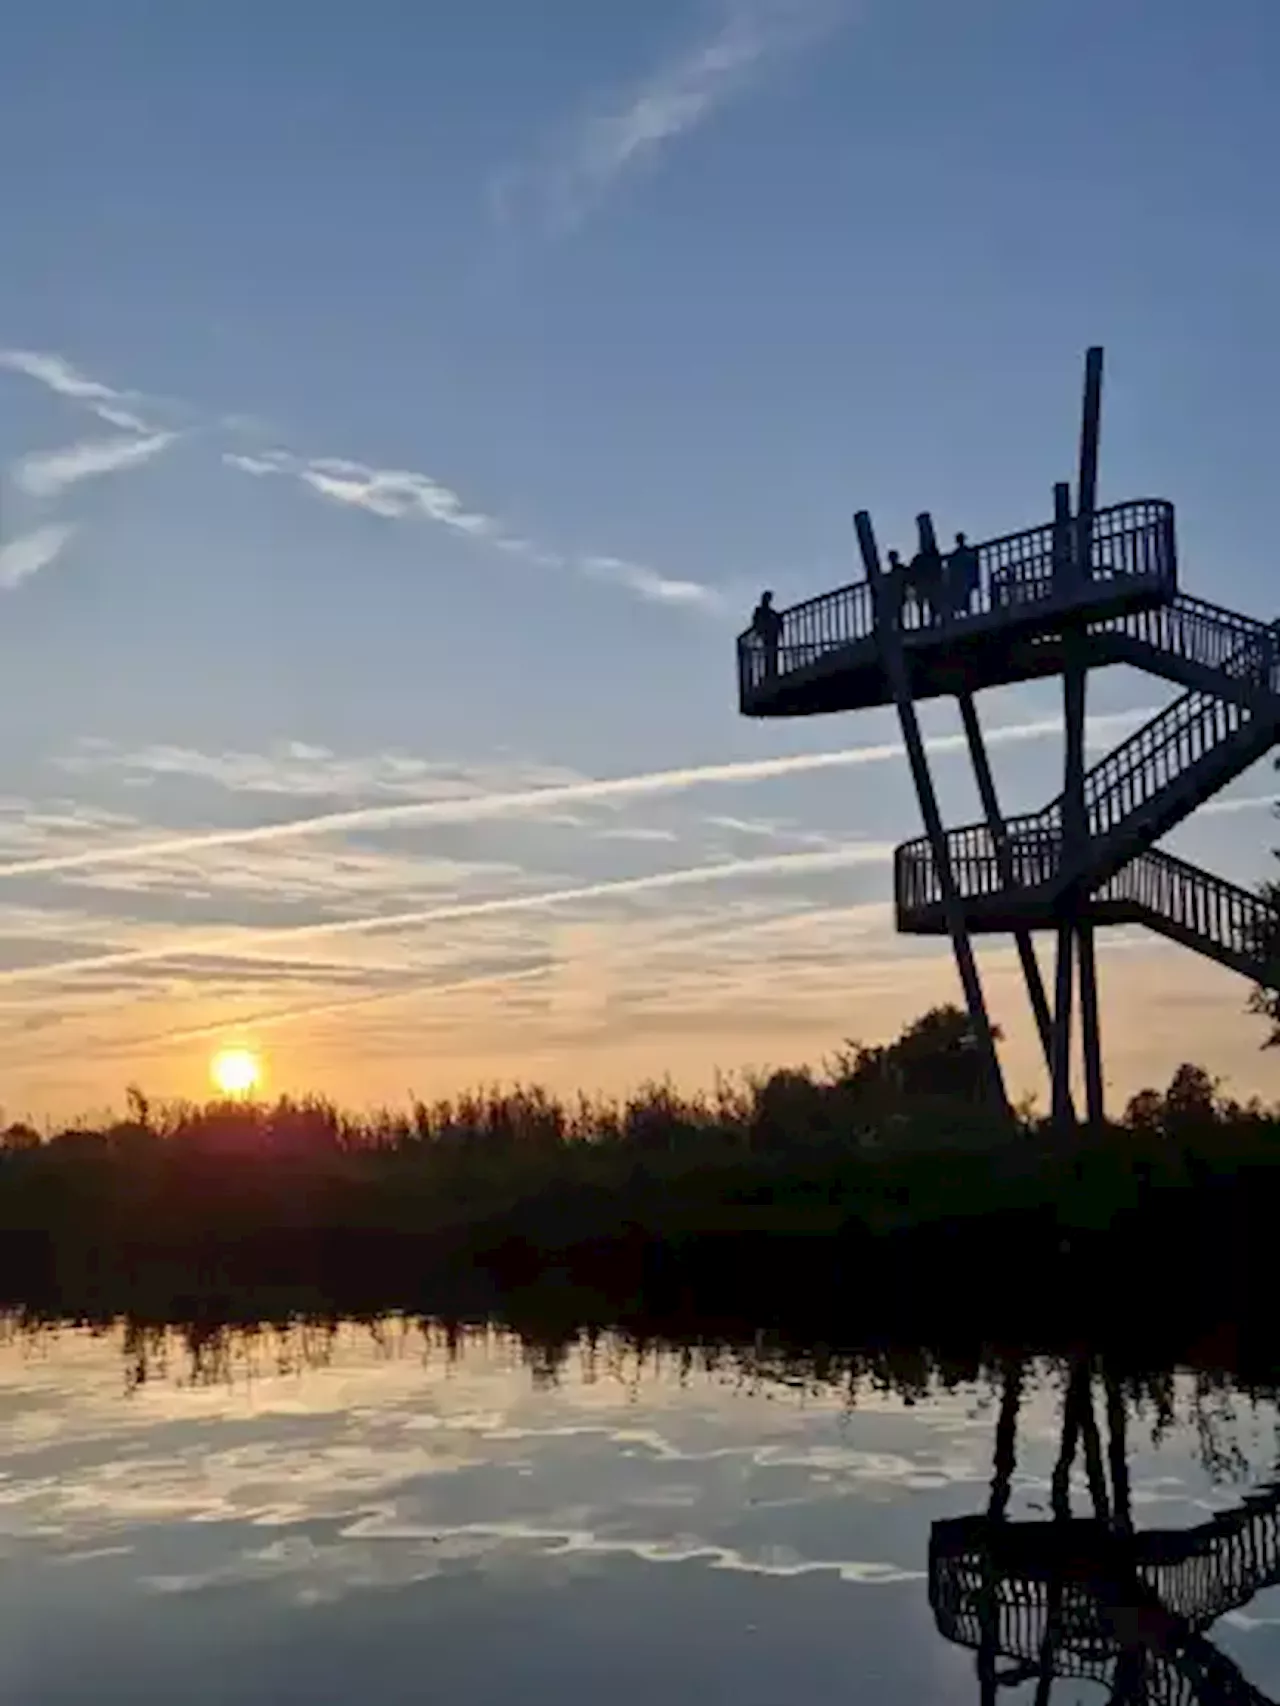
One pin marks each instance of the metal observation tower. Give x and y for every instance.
(1091, 587)
(1096, 1598)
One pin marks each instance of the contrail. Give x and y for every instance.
(537, 799)
(272, 1018)
(226, 945)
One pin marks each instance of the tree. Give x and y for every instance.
(935, 1056)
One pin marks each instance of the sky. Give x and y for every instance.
(399, 415)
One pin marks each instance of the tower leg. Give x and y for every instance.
(961, 942)
(1004, 863)
(1063, 994)
(1091, 1040)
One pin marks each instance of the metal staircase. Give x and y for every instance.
(1194, 644)
(1226, 721)
(1197, 909)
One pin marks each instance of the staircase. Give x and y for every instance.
(1194, 644)
(1226, 720)
(1201, 911)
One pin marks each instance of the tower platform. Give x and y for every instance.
(829, 657)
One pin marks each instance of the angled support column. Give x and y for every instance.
(1004, 863)
(995, 828)
(961, 943)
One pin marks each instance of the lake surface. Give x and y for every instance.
(385, 1516)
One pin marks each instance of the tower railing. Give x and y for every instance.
(1134, 777)
(1205, 634)
(1133, 541)
(1171, 891)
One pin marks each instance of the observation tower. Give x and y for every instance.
(1096, 1598)
(1091, 587)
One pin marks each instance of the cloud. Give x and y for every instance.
(593, 156)
(659, 589)
(480, 807)
(273, 1018)
(400, 494)
(391, 494)
(228, 943)
(304, 770)
(64, 379)
(25, 556)
(46, 473)
(59, 375)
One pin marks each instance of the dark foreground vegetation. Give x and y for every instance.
(879, 1186)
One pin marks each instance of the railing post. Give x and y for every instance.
(890, 637)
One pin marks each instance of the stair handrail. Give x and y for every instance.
(1237, 918)
(1035, 838)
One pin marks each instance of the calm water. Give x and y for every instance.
(359, 1516)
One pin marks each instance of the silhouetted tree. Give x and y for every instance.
(936, 1057)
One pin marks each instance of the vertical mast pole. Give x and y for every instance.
(1086, 504)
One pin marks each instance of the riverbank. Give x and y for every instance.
(882, 1180)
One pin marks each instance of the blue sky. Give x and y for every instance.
(407, 408)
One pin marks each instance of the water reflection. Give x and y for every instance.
(1094, 1597)
(303, 1511)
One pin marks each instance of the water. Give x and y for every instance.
(383, 1516)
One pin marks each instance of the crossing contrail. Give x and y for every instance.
(424, 987)
(513, 803)
(226, 944)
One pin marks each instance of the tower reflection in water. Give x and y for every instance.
(1091, 1598)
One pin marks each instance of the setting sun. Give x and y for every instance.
(235, 1071)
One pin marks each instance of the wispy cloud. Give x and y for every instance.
(26, 555)
(390, 493)
(46, 473)
(188, 945)
(400, 494)
(305, 770)
(538, 800)
(64, 379)
(630, 131)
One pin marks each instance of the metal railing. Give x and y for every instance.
(1206, 634)
(1127, 782)
(1170, 890)
(1133, 540)
(980, 1598)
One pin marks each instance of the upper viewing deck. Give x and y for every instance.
(828, 656)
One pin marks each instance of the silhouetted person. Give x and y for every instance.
(925, 577)
(766, 625)
(962, 576)
(895, 586)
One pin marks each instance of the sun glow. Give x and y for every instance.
(235, 1071)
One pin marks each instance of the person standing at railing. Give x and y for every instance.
(962, 575)
(766, 625)
(895, 588)
(927, 582)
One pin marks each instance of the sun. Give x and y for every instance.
(235, 1071)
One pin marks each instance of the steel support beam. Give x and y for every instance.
(995, 827)
(890, 634)
(1086, 503)
(1004, 863)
